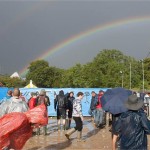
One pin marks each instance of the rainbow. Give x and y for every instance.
(87, 33)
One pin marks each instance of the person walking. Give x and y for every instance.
(132, 127)
(15, 104)
(61, 106)
(78, 118)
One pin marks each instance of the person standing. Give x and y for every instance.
(147, 103)
(99, 112)
(15, 104)
(94, 100)
(132, 127)
(47, 100)
(9, 94)
(78, 118)
(70, 106)
(7, 97)
(32, 101)
(22, 97)
(43, 99)
(61, 106)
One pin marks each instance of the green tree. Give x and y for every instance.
(42, 75)
(146, 65)
(113, 66)
(73, 77)
(12, 82)
(110, 68)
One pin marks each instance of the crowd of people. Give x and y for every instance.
(66, 105)
(129, 128)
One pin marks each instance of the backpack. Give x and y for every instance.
(61, 101)
(40, 100)
(47, 101)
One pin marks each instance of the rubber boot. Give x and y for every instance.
(79, 137)
(69, 123)
(69, 132)
(45, 130)
(58, 127)
(64, 127)
(38, 131)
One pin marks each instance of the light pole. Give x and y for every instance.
(142, 61)
(122, 77)
(130, 76)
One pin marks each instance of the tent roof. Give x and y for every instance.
(15, 75)
(30, 85)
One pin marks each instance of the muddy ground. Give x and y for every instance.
(95, 138)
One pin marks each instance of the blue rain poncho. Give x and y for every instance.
(132, 128)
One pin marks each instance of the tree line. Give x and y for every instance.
(110, 68)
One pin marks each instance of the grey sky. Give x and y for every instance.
(29, 28)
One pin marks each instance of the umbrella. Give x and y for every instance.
(113, 100)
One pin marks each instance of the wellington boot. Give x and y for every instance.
(69, 132)
(59, 127)
(69, 123)
(64, 127)
(45, 130)
(79, 137)
(38, 131)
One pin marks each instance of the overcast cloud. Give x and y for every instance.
(29, 28)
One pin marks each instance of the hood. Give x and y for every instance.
(61, 93)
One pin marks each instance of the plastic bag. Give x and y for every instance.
(10, 124)
(16, 129)
(38, 115)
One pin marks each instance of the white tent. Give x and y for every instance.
(30, 85)
(15, 75)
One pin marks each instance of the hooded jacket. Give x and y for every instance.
(60, 101)
(94, 100)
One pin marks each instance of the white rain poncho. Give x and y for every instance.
(13, 105)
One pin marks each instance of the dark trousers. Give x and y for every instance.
(78, 122)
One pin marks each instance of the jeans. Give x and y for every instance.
(98, 116)
(91, 112)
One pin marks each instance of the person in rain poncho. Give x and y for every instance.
(15, 104)
(7, 97)
(132, 126)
